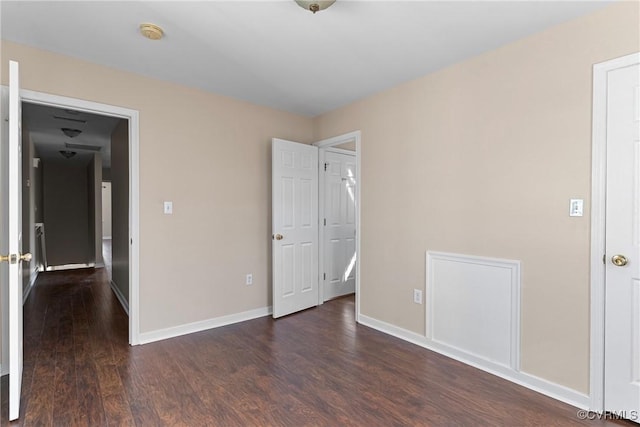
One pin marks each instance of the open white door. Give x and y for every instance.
(295, 226)
(339, 225)
(622, 292)
(12, 207)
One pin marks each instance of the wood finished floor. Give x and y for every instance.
(315, 368)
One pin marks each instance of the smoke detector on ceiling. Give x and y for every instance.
(151, 31)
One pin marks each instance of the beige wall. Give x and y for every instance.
(120, 207)
(349, 146)
(482, 158)
(210, 155)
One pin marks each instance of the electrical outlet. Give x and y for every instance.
(417, 296)
(249, 280)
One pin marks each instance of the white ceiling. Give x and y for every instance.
(274, 53)
(45, 128)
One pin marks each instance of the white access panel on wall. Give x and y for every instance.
(295, 226)
(474, 306)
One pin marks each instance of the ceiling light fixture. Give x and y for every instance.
(67, 154)
(151, 31)
(315, 5)
(71, 133)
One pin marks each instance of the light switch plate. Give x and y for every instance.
(168, 208)
(417, 296)
(576, 207)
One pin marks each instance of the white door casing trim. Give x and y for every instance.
(134, 186)
(598, 235)
(354, 136)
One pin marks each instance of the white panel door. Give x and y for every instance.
(12, 208)
(622, 294)
(295, 226)
(106, 210)
(339, 231)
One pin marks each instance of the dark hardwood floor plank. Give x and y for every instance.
(138, 394)
(65, 385)
(314, 368)
(174, 399)
(89, 402)
(39, 408)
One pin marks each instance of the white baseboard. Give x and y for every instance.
(32, 281)
(70, 266)
(203, 325)
(123, 301)
(548, 388)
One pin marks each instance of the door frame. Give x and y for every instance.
(598, 222)
(132, 116)
(322, 145)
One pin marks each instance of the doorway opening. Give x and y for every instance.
(107, 225)
(300, 280)
(129, 131)
(339, 213)
(69, 159)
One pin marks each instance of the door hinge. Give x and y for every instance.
(326, 166)
(604, 258)
(325, 221)
(324, 276)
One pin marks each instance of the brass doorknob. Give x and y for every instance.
(278, 236)
(619, 260)
(13, 258)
